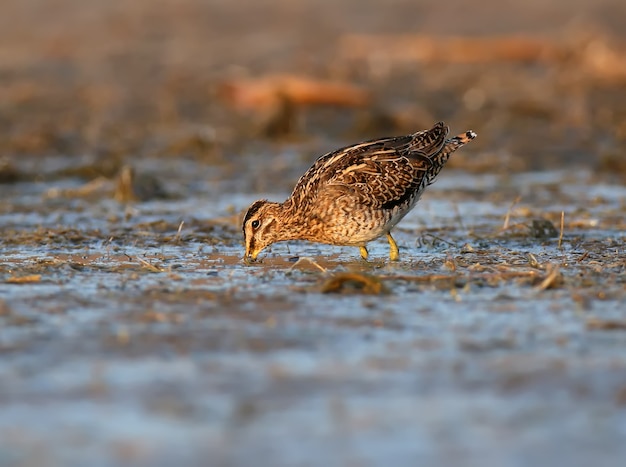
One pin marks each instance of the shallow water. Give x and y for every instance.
(141, 344)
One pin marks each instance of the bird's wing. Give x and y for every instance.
(381, 173)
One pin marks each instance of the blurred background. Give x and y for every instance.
(541, 82)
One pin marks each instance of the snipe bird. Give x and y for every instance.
(355, 194)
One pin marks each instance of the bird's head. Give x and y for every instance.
(260, 227)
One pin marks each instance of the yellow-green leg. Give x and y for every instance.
(394, 253)
(364, 252)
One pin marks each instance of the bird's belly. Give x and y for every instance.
(361, 226)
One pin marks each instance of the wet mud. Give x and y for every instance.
(131, 331)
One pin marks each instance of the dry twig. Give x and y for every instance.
(24, 279)
(268, 91)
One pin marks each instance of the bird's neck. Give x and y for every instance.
(294, 222)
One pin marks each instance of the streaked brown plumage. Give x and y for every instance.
(356, 194)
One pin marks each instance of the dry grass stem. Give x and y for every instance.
(24, 279)
(532, 260)
(307, 259)
(489, 277)
(551, 278)
(149, 266)
(507, 218)
(562, 228)
(180, 229)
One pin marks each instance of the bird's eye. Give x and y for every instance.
(255, 224)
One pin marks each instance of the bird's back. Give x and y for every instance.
(381, 173)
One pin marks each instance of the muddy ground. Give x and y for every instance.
(131, 333)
